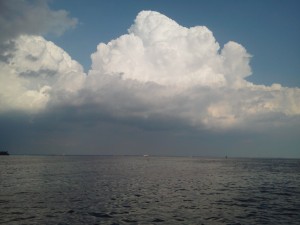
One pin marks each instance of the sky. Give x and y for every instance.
(182, 78)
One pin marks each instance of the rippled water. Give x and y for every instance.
(148, 190)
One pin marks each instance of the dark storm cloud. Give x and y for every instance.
(83, 130)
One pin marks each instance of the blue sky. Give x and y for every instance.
(269, 29)
(160, 83)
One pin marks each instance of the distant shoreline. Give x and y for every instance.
(152, 156)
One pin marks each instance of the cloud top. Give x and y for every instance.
(159, 50)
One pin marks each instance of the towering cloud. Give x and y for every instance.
(192, 78)
(157, 49)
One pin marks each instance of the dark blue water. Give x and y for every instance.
(148, 190)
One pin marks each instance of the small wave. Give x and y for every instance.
(100, 215)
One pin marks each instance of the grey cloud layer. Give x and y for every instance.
(31, 17)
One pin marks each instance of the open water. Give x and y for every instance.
(148, 190)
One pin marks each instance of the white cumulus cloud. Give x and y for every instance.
(159, 71)
(158, 49)
(37, 72)
(199, 82)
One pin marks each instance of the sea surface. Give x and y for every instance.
(148, 190)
